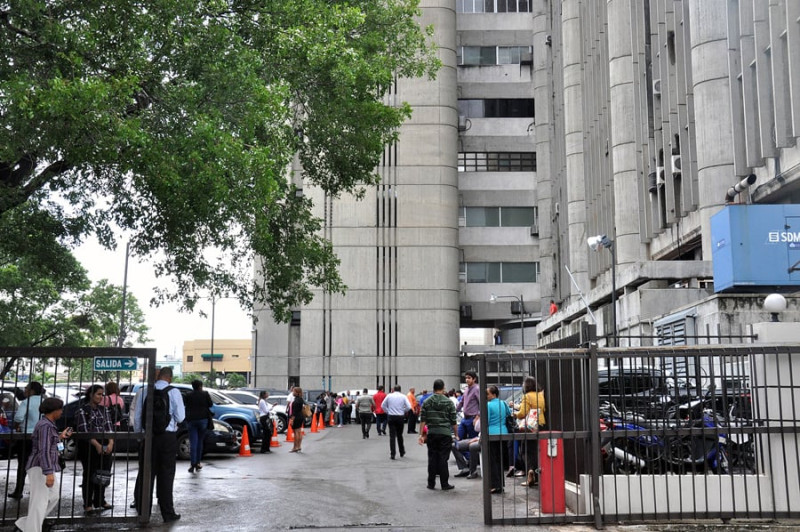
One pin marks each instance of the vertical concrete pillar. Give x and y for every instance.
(574, 129)
(712, 104)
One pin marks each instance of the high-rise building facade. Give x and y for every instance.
(551, 122)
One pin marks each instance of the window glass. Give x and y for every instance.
(489, 6)
(493, 272)
(483, 217)
(476, 272)
(519, 272)
(488, 55)
(516, 216)
(497, 161)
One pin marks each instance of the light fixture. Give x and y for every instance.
(493, 299)
(774, 304)
(596, 243)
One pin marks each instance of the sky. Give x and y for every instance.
(169, 328)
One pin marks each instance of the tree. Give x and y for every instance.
(177, 122)
(235, 380)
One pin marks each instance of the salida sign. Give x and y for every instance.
(114, 363)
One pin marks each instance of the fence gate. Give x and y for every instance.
(647, 434)
(67, 373)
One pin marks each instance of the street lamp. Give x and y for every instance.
(213, 310)
(775, 304)
(595, 244)
(493, 299)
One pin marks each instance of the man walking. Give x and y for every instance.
(165, 444)
(380, 414)
(365, 406)
(470, 406)
(414, 412)
(396, 405)
(438, 416)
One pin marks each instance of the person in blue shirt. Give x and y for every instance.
(497, 412)
(25, 419)
(165, 448)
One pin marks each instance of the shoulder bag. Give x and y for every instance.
(530, 423)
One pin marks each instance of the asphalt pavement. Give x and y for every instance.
(340, 481)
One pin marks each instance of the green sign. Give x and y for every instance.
(209, 356)
(115, 363)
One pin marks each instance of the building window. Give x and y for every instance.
(493, 6)
(499, 216)
(497, 108)
(497, 161)
(491, 55)
(189, 358)
(502, 272)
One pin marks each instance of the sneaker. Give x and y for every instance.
(472, 476)
(462, 473)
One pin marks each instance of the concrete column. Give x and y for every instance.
(712, 105)
(574, 129)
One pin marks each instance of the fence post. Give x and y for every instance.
(594, 431)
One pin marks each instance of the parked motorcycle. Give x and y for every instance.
(704, 451)
(631, 444)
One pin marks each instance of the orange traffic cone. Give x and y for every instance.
(289, 434)
(244, 448)
(273, 442)
(332, 422)
(321, 423)
(314, 423)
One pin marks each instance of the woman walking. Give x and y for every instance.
(198, 419)
(43, 465)
(296, 419)
(95, 454)
(533, 400)
(497, 411)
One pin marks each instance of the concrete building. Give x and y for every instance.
(549, 123)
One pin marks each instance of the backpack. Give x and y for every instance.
(161, 413)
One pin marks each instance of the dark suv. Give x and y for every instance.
(644, 391)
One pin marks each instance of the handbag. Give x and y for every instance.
(511, 424)
(530, 423)
(306, 410)
(102, 477)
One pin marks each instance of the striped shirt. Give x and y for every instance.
(45, 447)
(438, 414)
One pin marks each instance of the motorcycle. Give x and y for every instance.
(641, 451)
(705, 451)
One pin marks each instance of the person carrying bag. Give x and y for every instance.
(530, 418)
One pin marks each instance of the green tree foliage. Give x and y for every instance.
(177, 121)
(235, 381)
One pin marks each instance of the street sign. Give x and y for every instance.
(114, 363)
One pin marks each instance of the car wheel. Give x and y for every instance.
(281, 424)
(70, 449)
(184, 446)
(238, 430)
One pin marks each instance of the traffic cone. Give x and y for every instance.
(314, 424)
(321, 423)
(244, 448)
(289, 434)
(273, 442)
(332, 422)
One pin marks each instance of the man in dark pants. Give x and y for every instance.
(396, 405)
(438, 416)
(413, 414)
(164, 451)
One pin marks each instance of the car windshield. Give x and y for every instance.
(218, 398)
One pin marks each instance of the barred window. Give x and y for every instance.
(497, 161)
(502, 272)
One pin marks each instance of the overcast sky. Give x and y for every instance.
(168, 327)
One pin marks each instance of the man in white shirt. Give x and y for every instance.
(264, 409)
(396, 405)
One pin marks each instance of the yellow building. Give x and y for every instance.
(230, 356)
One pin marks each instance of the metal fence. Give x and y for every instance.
(67, 373)
(650, 434)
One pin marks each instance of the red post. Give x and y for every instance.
(552, 485)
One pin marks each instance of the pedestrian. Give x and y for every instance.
(413, 412)
(95, 454)
(43, 464)
(497, 411)
(468, 463)
(296, 419)
(322, 406)
(365, 409)
(532, 400)
(396, 405)
(347, 409)
(470, 406)
(339, 412)
(25, 419)
(265, 419)
(199, 418)
(168, 413)
(113, 402)
(553, 307)
(380, 414)
(438, 418)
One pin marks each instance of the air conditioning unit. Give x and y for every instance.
(661, 179)
(466, 311)
(656, 87)
(535, 230)
(676, 164)
(517, 308)
(462, 221)
(462, 123)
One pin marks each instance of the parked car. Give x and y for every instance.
(220, 438)
(241, 397)
(643, 391)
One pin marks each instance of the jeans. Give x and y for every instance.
(381, 421)
(438, 453)
(465, 429)
(197, 434)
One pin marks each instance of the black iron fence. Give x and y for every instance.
(653, 433)
(67, 373)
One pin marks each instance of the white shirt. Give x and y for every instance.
(396, 404)
(264, 408)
